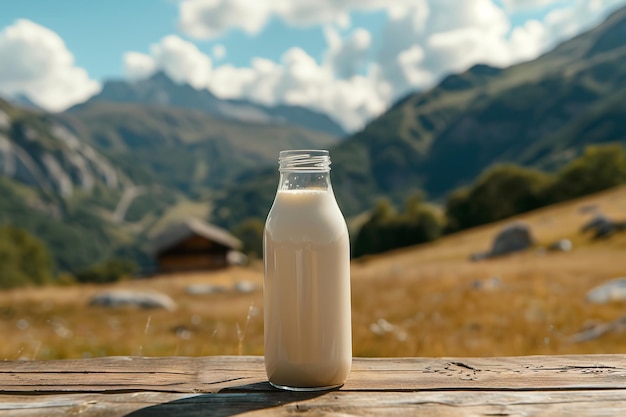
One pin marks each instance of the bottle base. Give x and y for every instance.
(306, 389)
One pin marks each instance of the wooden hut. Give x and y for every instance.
(193, 245)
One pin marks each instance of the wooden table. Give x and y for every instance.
(579, 385)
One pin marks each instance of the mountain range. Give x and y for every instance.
(98, 179)
(160, 90)
(540, 114)
(186, 149)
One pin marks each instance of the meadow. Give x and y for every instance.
(427, 300)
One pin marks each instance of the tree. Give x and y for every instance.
(250, 232)
(599, 168)
(458, 211)
(386, 229)
(507, 190)
(371, 237)
(24, 259)
(423, 223)
(502, 191)
(113, 270)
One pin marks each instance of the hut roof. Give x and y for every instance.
(178, 232)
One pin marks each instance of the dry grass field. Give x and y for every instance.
(420, 301)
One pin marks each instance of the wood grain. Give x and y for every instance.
(427, 403)
(213, 374)
(224, 386)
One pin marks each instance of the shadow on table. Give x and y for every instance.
(228, 402)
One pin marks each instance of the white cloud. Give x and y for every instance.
(520, 5)
(422, 41)
(454, 35)
(299, 80)
(347, 57)
(529, 40)
(138, 66)
(296, 79)
(450, 35)
(219, 51)
(205, 19)
(569, 21)
(36, 62)
(228, 81)
(182, 61)
(409, 63)
(209, 18)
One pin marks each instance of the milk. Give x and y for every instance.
(308, 341)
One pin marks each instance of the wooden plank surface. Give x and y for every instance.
(609, 403)
(213, 374)
(578, 385)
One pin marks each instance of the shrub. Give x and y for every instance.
(387, 229)
(507, 190)
(24, 259)
(113, 270)
(502, 191)
(372, 237)
(250, 231)
(599, 168)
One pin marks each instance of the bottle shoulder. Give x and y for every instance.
(304, 214)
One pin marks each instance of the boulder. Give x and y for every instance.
(488, 284)
(121, 298)
(512, 238)
(562, 245)
(479, 256)
(203, 289)
(600, 225)
(600, 329)
(234, 257)
(245, 287)
(614, 290)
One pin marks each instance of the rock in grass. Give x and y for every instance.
(562, 245)
(488, 284)
(121, 298)
(512, 238)
(203, 289)
(600, 226)
(245, 287)
(597, 330)
(603, 227)
(614, 290)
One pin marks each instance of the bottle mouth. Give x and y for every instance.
(313, 160)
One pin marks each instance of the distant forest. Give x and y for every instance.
(500, 192)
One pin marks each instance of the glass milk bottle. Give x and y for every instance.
(308, 335)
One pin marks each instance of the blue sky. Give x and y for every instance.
(99, 32)
(349, 58)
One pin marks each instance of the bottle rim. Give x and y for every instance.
(304, 160)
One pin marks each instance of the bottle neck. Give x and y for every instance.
(304, 170)
(295, 180)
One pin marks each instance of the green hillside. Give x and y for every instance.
(188, 150)
(58, 188)
(540, 114)
(96, 182)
